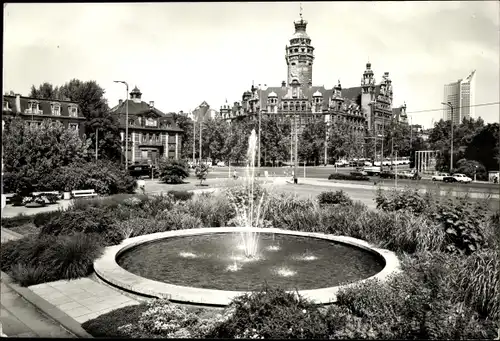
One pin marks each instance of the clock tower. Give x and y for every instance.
(299, 55)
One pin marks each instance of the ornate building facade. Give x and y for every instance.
(367, 109)
(151, 133)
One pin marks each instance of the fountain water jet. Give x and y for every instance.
(250, 215)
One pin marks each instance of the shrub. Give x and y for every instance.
(415, 304)
(42, 218)
(104, 176)
(178, 220)
(342, 176)
(272, 313)
(39, 259)
(107, 325)
(181, 195)
(408, 199)
(282, 204)
(333, 198)
(173, 171)
(465, 225)
(92, 220)
(18, 220)
(151, 206)
(214, 210)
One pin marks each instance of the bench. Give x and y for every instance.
(82, 193)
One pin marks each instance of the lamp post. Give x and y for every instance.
(260, 119)
(451, 149)
(126, 123)
(194, 139)
(96, 141)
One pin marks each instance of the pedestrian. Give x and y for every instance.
(495, 179)
(235, 176)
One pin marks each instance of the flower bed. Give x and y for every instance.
(435, 297)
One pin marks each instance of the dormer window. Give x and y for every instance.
(6, 106)
(34, 106)
(151, 122)
(55, 109)
(73, 110)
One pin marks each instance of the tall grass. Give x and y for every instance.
(479, 280)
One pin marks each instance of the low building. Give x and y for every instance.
(34, 111)
(152, 134)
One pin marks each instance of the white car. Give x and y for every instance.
(439, 176)
(221, 164)
(462, 178)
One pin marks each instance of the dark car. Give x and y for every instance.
(142, 170)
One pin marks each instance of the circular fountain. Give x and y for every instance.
(214, 265)
(200, 266)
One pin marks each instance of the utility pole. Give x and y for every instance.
(260, 119)
(451, 149)
(96, 141)
(326, 144)
(126, 123)
(194, 140)
(200, 140)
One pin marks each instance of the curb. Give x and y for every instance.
(47, 308)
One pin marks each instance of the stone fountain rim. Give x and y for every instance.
(107, 268)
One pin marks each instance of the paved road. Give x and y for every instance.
(322, 172)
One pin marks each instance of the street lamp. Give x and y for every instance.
(451, 149)
(260, 119)
(126, 123)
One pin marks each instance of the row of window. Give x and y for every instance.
(149, 123)
(55, 108)
(300, 41)
(71, 126)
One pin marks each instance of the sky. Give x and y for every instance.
(181, 54)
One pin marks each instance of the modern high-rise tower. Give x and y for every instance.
(461, 95)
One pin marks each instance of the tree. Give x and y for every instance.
(463, 135)
(201, 172)
(186, 124)
(31, 153)
(338, 140)
(236, 143)
(312, 141)
(471, 168)
(214, 137)
(275, 139)
(90, 98)
(173, 171)
(485, 147)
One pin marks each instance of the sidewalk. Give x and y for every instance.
(12, 211)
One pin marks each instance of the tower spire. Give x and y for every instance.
(300, 10)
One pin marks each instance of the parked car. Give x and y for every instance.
(142, 170)
(341, 163)
(439, 176)
(221, 164)
(457, 178)
(412, 175)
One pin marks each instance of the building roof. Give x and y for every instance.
(143, 108)
(44, 105)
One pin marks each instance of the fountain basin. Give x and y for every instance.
(108, 268)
